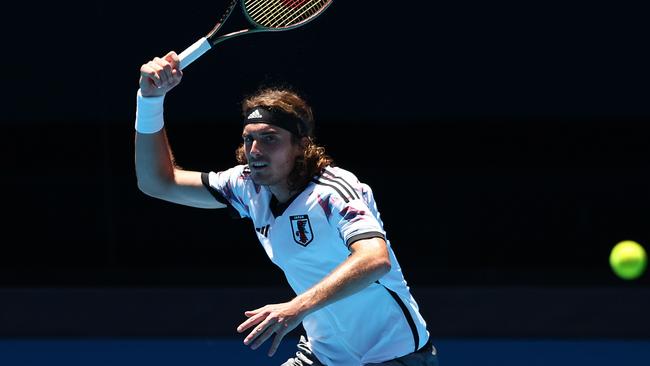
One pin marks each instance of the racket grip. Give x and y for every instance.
(194, 51)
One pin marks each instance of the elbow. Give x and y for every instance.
(374, 254)
(381, 265)
(382, 258)
(384, 266)
(150, 189)
(144, 187)
(154, 181)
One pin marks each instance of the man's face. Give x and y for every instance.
(270, 153)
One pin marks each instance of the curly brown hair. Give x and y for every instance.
(314, 158)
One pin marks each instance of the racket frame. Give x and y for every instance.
(205, 43)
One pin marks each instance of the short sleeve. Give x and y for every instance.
(229, 187)
(353, 214)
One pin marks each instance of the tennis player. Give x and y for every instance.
(316, 221)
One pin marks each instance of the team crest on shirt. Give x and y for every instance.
(301, 228)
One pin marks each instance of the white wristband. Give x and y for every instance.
(149, 113)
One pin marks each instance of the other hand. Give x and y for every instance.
(276, 318)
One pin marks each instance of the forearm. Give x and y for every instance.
(153, 158)
(357, 272)
(154, 164)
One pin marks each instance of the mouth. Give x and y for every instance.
(258, 166)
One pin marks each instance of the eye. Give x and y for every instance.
(247, 139)
(269, 138)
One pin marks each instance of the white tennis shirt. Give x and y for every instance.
(308, 240)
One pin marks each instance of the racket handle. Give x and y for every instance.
(194, 51)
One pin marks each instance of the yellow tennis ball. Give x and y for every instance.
(628, 260)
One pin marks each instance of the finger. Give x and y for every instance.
(149, 72)
(258, 331)
(251, 322)
(173, 59)
(276, 343)
(266, 335)
(250, 313)
(160, 77)
(165, 69)
(177, 75)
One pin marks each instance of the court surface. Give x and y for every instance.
(215, 352)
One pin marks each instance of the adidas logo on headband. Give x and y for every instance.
(278, 118)
(255, 114)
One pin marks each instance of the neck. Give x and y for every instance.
(282, 194)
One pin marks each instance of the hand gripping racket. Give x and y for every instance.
(263, 16)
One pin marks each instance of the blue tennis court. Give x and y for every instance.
(210, 352)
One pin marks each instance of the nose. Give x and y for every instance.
(254, 151)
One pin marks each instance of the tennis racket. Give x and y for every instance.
(263, 16)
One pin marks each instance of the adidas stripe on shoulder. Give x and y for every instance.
(339, 184)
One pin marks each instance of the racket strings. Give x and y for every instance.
(283, 13)
(257, 8)
(270, 9)
(290, 16)
(284, 18)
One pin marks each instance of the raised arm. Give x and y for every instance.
(157, 174)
